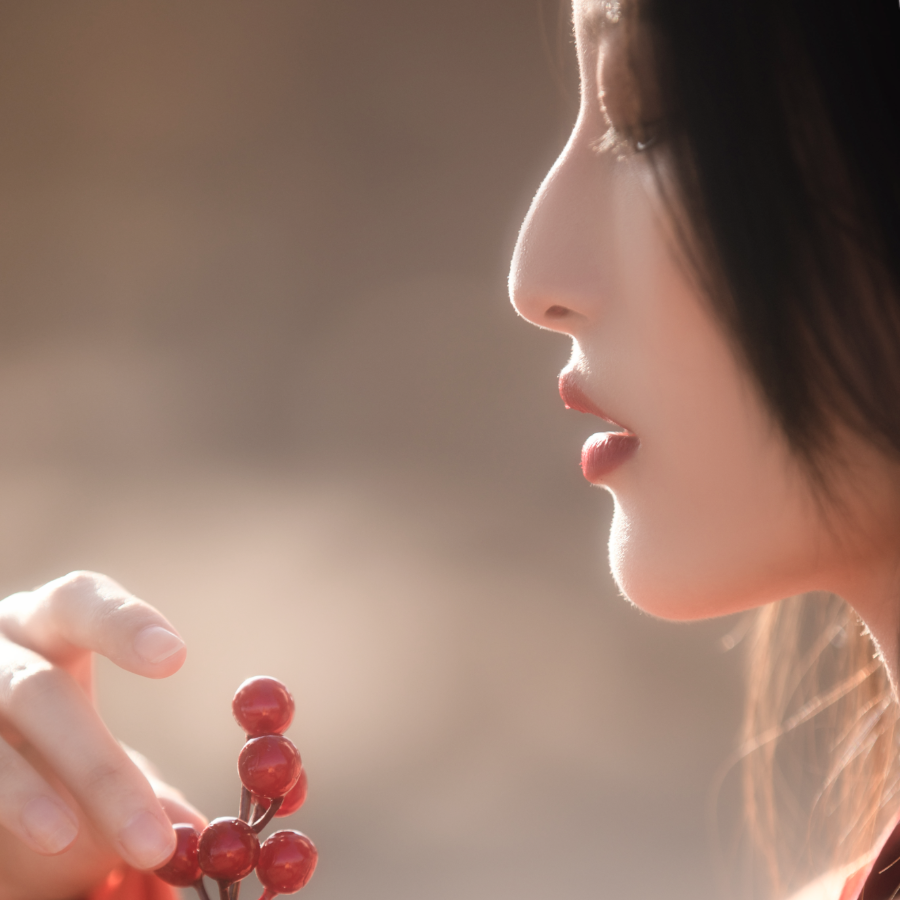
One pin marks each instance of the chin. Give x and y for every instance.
(667, 577)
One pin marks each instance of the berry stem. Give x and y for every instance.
(267, 816)
(244, 812)
(267, 895)
(200, 888)
(223, 890)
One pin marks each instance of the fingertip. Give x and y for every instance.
(147, 842)
(161, 648)
(49, 826)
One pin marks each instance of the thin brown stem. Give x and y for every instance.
(266, 817)
(200, 888)
(223, 890)
(244, 811)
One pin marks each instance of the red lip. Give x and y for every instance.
(575, 398)
(604, 452)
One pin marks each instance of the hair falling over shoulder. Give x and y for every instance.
(821, 778)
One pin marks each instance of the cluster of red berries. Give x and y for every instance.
(273, 784)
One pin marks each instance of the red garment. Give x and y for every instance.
(880, 879)
(129, 884)
(853, 885)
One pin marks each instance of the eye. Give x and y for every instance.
(622, 143)
(647, 138)
(627, 92)
(628, 141)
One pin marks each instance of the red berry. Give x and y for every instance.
(263, 705)
(293, 799)
(269, 765)
(183, 869)
(228, 849)
(287, 860)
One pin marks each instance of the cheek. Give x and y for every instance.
(713, 514)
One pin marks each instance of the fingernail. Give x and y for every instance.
(147, 842)
(155, 644)
(49, 824)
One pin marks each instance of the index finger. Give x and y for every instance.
(85, 611)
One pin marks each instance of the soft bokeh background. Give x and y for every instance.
(257, 363)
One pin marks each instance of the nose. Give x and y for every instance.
(557, 274)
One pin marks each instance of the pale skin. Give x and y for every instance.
(74, 803)
(714, 513)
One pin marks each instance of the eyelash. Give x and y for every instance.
(613, 140)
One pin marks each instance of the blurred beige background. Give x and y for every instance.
(257, 363)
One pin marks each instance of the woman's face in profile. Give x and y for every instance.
(712, 511)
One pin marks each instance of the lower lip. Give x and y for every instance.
(603, 453)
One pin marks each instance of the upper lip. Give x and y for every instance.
(575, 398)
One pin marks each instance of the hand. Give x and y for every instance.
(73, 801)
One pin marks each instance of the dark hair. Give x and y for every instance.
(783, 119)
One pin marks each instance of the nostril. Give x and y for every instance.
(556, 312)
